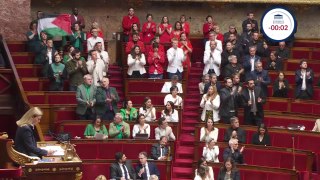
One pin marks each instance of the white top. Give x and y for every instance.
(122, 171)
(49, 54)
(136, 129)
(164, 132)
(218, 47)
(209, 105)
(136, 65)
(167, 85)
(96, 70)
(211, 155)
(177, 100)
(211, 174)
(303, 76)
(92, 41)
(197, 177)
(148, 113)
(174, 117)
(175, 59)
(212, 60)
(201, 87)
(213, 134)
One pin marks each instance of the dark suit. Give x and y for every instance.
(309, 86)
(251, 118)
(206, 87)
(155, 151)
(240, 133)
(153, 170)
(264, 75)
(235, 175)
(102, 108)
(278, 66)
(25, 142)
(228, 105)
(247, 65)
(116, 173)
(280, 92)
(225, 55)
(236, 156)
(283, 54)
(80, 21)
(265, 141)
(45, 61)
(54, 85)
(250, 21)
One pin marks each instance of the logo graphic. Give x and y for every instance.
(278, 24)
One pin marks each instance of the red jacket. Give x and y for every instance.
(148, 33)
(131, 44)
(206, 29)
(127, 23)
(156, 63)
(186, 28)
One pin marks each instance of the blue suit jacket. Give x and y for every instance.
(153, 170)
(264, 75)
(247, 65)
(309, 82)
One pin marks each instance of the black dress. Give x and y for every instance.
(280, 92)
(265, 141)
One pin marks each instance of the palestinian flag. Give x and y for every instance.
(55, 25)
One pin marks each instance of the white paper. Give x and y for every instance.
(58, 151)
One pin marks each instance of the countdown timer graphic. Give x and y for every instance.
(278, 24)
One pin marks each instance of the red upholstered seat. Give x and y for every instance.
(88, 151)
(36, 99)
(107, 151)
(92, 170)
(285, 121)
(300, 54)
(75, 129)
(62, 115)
(282, 140)
(12, 173)
(315, 55)
(62, 98)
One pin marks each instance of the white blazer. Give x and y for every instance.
(175, 59)
(135, 65)
(96, 70)
(219, 46)
(207, 105)
(212, 60)
(92, 41)
(211, 155)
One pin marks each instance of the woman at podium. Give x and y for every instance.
(25, 140)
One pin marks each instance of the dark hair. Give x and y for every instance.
(163, 137)
(138, 118)
(209, 16)
(302, 61)
(250, 12)
(226, 79)
(75, 51)
(91, 51)
(118, 156)
(160, 121)
(149, 14)
(182, 33)
(144, 154)
(200, 161)
(125, 103)
(202, 171)
(229, 159)
(95, 119)
(31, 24)
(263, 126)
(135, 32)
(175, 25)
(144, 102)
(97, 43)
(206, 125)
(133, 53)
(166, 111)
(163, 18)
(173, 88)
(155, 45)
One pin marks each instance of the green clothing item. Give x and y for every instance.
(114, 130)
(76, 73)
(67, 58)
(57, 69)
(75, 41)
(91, 131)
(83, 98)
(129, 117)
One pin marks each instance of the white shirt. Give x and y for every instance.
(201, 87)
(167, 85)
(122, 170)
(207, 105)
(174, 117)
(104, 56)
(218, 47)
(147, 170)
(148, 113)
(212, 60)
(209, 177)
(136, 129)
(49, 54)
(135, 65)
(164, 132)
(304, 83)
(213, 134)
(175, 59)
(96, 70)
(177, 100)
(252, 63)
(211, 154)
(92, 41)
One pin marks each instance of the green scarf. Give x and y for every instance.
(57, 68)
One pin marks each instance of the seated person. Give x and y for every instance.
(169, 113)
(241, 134)
(261, 137)
(136, 62)
(57, 74)
(128, 112)
(156, 61)
(96, 127)
(122, 168)
(234, 152)
(229, 170)
(174, 82)
(148, 110)
(209, 131)
(202, 173)
(233, 67)
(160, 151)
(202, 162)
(164, 130)
(145, 169)
(67, 55)
(205, 80)
(280, 86)
(119, 129)
(273, 62)
(213, 82)
(211, 151)
(173, 96)
(316, 127)
(282, 51)
(141, 127)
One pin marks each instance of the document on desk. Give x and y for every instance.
(58, 151)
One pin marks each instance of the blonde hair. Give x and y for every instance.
(27, 117)
(101, 177)
(153, 177)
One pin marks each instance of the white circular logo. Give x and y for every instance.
(278, 24)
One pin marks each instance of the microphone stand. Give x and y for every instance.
(293, 154)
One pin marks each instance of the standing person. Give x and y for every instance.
(136, 62)
(76, 18)
(205, 80)
(156, 61)
(91, 42)
(57, 74)
(77, 38)
(304, 79)
(96, 26)
(186, 46)
(229, 171)
(212, 60)
(175, 57)
(261, 77)
(149, 29)
(122, 168)
(213, 82)
(86, 93)
(165, 30)
(96, 67)
(106, 100)
(127, 22)
(250, 20)
(103, 55)
(47, 57)
(228, 99)
(177, 30)
(146, 169)
(210, 103)
(32, 37)
(135, 42)
(76, 69)
(253, 100)
(148, 110)
(208, 26)
(233, 67)
(135, 30)
(280, 86)
(25, 140)
(119, 129)
(160, 151)
(250, 60)
(185, 25)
